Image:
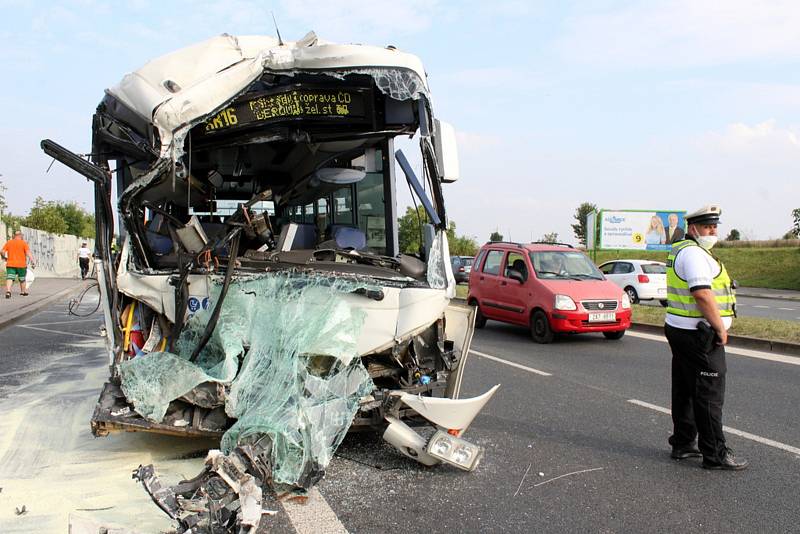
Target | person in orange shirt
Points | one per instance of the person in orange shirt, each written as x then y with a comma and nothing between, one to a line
16,253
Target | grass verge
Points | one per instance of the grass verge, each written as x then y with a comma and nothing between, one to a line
772,329
775,268
462,290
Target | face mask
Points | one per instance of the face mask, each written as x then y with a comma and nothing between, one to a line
706,241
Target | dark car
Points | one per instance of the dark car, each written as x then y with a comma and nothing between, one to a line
462,265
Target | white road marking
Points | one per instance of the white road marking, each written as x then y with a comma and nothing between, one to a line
786,309
96,319
58,332
741,433
781,358
512,364
762,307
313,517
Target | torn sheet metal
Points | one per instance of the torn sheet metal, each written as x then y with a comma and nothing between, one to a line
184,86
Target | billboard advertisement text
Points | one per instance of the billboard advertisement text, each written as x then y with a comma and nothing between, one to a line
641,230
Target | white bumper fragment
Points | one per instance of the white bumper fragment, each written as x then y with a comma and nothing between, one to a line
450,415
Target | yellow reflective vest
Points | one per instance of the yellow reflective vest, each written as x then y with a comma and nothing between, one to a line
680,300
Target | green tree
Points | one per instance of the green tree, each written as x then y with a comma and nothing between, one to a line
409,235
45,215
552,237
733,235
60,218
409,229
579,228
460,245
496,236
796,225
79,222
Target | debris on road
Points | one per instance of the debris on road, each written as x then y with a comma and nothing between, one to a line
568,474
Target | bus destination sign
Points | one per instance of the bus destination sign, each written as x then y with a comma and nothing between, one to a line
303,103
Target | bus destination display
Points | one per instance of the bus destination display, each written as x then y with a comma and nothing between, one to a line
304,103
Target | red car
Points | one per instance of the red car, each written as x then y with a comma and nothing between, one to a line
550,288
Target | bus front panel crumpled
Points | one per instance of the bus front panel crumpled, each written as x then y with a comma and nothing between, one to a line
285,344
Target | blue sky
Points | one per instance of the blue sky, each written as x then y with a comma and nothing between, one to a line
627,104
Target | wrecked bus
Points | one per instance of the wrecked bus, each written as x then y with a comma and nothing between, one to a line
259,295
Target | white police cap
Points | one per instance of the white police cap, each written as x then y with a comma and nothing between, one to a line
708,214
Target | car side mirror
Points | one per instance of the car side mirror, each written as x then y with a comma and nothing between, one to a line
516,275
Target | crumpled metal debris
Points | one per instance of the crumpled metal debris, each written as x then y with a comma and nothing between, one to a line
226,496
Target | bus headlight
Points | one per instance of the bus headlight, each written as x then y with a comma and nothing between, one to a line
454,451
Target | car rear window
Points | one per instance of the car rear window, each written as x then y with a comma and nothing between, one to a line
654,268
467,261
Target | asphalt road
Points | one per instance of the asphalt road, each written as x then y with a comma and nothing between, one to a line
568,452
787,310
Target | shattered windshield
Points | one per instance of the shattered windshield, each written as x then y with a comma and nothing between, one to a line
300,378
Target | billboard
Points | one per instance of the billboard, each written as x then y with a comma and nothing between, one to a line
641,229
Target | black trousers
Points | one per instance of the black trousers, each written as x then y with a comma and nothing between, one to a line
84,262
698,391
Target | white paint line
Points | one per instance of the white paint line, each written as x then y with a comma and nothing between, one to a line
786,309
512,364
651,406
97,320
740,433
769,356
761,307
58,332
313,517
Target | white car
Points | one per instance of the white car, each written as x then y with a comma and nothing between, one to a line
641,279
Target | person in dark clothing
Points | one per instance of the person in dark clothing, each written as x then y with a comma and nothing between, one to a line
84,255
701,306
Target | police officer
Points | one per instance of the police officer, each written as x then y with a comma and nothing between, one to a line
701,306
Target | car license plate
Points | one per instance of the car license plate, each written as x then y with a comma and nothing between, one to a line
602,317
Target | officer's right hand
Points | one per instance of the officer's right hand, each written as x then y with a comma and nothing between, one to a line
723,337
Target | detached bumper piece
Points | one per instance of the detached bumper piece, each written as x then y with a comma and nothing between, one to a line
452,417
224,497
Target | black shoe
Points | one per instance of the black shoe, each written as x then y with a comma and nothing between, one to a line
687,451
8,294
728,463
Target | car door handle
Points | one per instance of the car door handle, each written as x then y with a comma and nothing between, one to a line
481,278
503,283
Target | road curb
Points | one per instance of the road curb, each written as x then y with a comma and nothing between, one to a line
31,309
744,342
766,296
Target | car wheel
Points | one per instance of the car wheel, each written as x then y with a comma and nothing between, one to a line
663,303
614,335
540,328
632,295
480,319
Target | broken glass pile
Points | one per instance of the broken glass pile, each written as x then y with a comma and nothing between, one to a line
285,348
